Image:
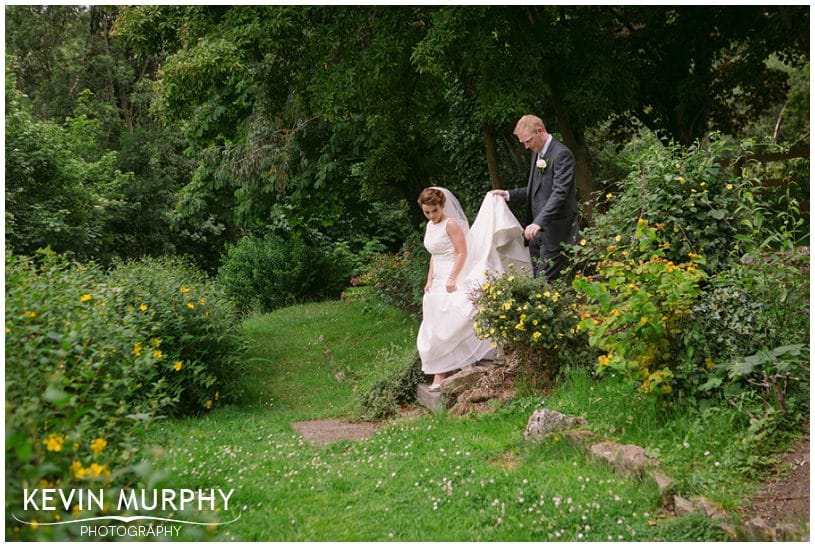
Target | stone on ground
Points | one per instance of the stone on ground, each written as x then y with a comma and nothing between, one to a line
545,421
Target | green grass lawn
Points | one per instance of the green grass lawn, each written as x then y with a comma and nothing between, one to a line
434,477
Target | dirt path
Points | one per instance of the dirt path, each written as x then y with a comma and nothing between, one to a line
329,431
785,499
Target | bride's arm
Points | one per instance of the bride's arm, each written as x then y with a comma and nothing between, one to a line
429,276
460,245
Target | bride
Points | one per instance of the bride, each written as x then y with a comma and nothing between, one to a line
461,258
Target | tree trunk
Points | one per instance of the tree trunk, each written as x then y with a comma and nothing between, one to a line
583,176
491,148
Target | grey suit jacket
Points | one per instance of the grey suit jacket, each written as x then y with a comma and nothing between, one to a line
551,195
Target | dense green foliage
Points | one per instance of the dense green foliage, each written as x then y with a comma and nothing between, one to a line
93,358
280,150
399,278
265,274
384,390
750,334
197,124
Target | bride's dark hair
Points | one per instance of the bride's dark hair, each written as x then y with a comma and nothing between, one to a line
432,196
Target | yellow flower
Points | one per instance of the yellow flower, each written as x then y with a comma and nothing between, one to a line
535,322
155,342
642,222
53,443
190,305
555,297
582,241
208,404
184,290
677,166
96,470
137,349
618,238
729,186
177,365
217,395
85,298
609,195
709,363
98,445
535,336
157,354
79,471
202,301
547,294
643,320
143,307
30,314
681,180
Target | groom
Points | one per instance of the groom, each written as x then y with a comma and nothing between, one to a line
550,195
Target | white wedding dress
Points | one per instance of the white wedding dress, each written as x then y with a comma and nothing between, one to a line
447,340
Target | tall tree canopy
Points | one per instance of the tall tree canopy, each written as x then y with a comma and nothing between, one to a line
323,119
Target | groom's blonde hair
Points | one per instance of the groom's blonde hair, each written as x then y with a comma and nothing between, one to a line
528,124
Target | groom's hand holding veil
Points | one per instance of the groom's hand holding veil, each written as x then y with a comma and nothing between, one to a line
531,231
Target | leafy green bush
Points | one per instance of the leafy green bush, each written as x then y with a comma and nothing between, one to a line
391,384
530,318
92,359
750,329
62,184
689,191
190,323
263,274
635,308
399,278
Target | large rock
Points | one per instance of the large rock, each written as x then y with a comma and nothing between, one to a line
545,421
682,506
627,459
665,484
460,382
431,400
757,529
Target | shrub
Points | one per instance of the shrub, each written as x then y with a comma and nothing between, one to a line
689,191
399,279
635,309
190,323
87,369
264,274
392,384
749,332
528,317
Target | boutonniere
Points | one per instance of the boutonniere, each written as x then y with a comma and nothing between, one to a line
541,165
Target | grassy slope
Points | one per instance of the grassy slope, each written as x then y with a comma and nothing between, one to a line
433,478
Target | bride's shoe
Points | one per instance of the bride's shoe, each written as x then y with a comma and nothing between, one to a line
434,387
